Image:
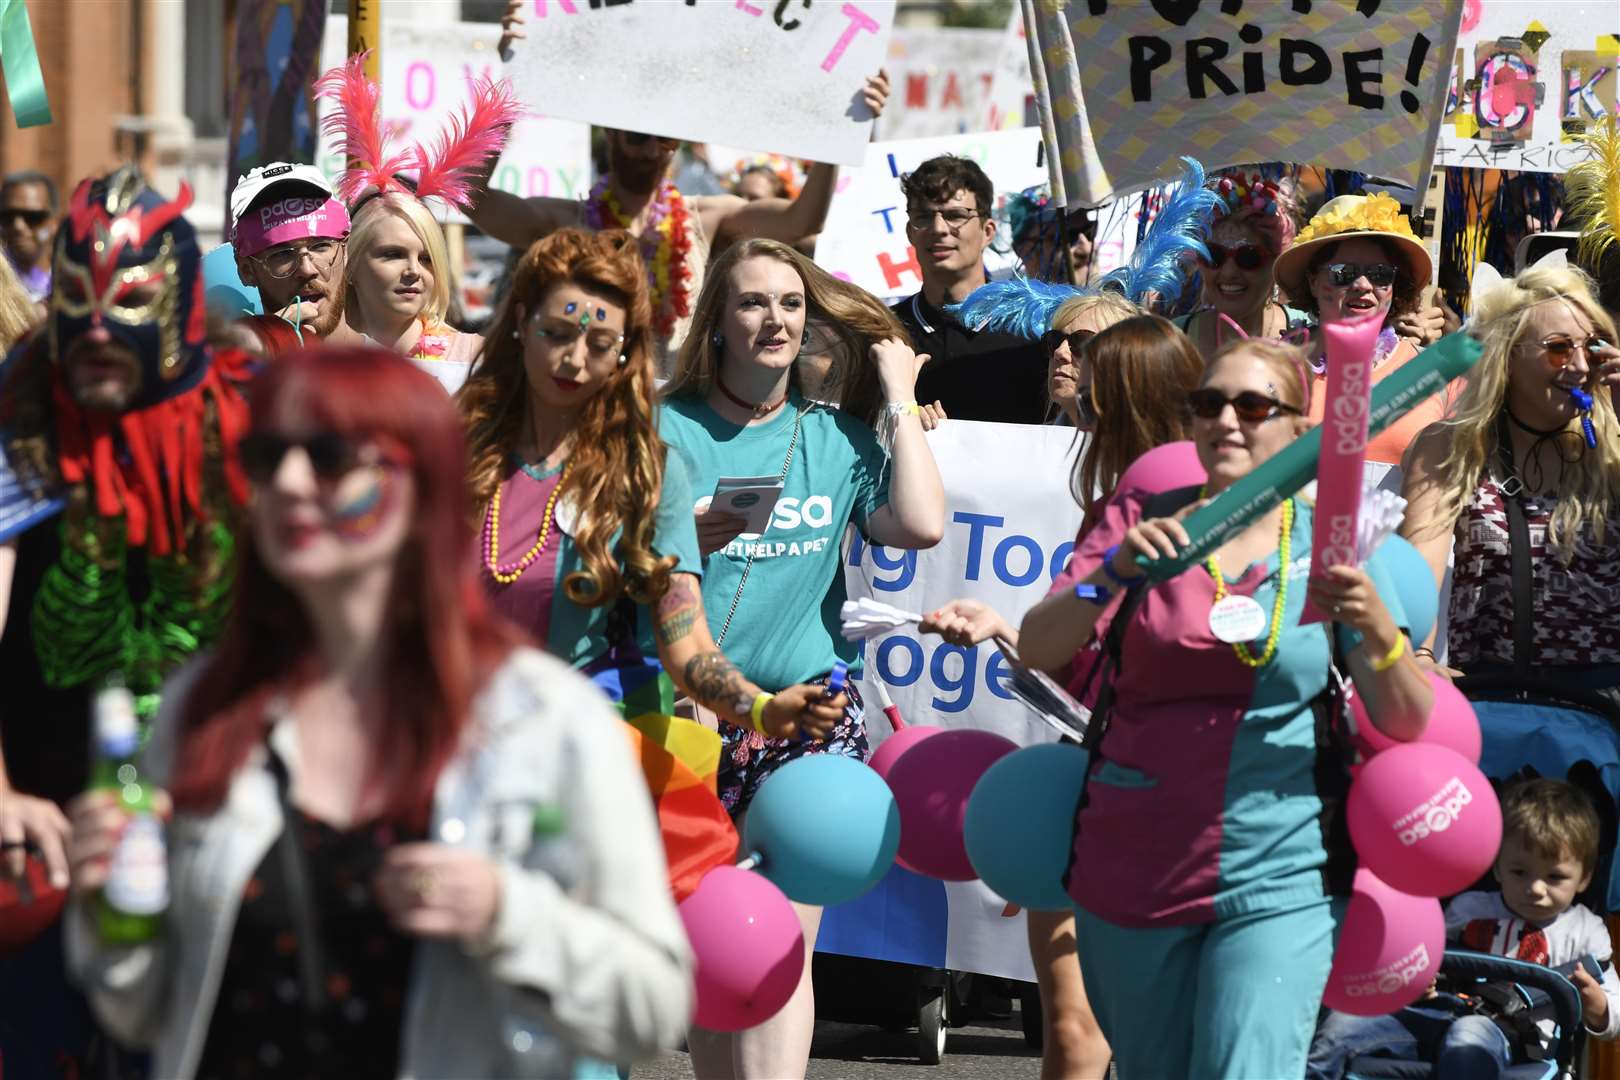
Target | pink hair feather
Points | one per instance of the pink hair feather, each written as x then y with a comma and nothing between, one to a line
356,122
475,136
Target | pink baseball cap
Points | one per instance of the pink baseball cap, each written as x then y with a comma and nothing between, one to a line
306,208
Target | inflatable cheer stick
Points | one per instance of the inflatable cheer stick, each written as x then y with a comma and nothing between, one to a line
1273,481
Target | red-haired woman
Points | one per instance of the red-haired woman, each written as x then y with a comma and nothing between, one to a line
586,519
399,844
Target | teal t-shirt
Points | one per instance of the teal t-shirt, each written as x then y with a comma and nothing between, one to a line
780,635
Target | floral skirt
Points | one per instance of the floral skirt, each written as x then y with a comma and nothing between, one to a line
748,758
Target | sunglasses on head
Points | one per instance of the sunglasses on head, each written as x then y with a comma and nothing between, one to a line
1247,256
636,138
1251,406
330,454
1077,341
1560,347
1382,275
32,218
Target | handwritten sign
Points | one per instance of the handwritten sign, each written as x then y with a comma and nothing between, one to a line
1529,77
425,69
1129,85
865,239
942,79
785,77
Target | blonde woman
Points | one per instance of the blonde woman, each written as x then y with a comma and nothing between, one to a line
397,286
734,408
18,313
1514,457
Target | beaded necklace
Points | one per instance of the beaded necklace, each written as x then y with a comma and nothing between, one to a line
1278,606
505,575
1387,340
665,242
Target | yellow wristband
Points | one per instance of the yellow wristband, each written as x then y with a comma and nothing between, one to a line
756,712
1395,653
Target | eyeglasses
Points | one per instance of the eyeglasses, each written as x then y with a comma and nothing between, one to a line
1382,275
1247,256
284,260
636,138
955,217
1251,407
32,218
1560,347
1052,339
598,343
330,454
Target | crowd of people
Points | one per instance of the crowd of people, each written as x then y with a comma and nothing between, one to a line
363,573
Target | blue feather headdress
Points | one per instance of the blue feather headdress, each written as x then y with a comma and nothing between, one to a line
1024,307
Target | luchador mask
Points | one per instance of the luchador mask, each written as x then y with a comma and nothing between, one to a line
121,235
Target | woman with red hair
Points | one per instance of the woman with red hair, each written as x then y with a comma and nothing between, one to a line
400,845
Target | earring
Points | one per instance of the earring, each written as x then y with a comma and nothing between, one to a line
804,340
623,359
718,339
515,335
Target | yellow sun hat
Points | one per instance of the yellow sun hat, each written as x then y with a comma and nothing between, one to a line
1345,218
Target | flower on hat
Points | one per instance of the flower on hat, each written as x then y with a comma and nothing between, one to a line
1375,213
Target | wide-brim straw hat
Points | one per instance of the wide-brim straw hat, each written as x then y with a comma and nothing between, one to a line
1346,218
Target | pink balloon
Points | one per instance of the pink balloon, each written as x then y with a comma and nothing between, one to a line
1390,945
1452,723
931,782
1164,468
748,946
1424,819
890,749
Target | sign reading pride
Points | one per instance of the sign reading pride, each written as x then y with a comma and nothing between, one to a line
1131,84
783,77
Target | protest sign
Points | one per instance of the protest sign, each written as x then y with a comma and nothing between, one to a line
425,69
1129,86
1528,78
1012,88
784,77
865,241
1010,527
942,78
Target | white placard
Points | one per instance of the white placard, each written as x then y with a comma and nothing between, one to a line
1528,77
785,77
425,69
941,80
865,241
1013,87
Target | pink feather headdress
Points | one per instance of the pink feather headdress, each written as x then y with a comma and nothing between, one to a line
475,135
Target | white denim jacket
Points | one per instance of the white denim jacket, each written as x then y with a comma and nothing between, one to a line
587,957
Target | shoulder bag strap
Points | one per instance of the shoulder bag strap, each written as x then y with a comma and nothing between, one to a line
1524,637
736,598
295,870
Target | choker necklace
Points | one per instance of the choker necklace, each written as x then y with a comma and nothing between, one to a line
1543,433
760,411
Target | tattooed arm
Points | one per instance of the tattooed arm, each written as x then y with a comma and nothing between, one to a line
703,673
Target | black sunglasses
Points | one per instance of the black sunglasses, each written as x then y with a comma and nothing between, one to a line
330,454
1251,407
1382,275
31,218
1247,256
1077,341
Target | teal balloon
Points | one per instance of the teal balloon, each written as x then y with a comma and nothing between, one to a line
1019,827
827,827
1419,594
223,290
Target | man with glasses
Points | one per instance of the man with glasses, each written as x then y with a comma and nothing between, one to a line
971,375
288,232
28,227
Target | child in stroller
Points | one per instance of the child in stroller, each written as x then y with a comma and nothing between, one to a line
1550,843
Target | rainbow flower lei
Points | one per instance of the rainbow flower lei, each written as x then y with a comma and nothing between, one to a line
665,243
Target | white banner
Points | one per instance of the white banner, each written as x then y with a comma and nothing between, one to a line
865,241
942,79
425,69
1010,527
784,77
1527,78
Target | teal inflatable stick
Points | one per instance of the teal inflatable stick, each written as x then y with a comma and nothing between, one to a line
25,83
1212,524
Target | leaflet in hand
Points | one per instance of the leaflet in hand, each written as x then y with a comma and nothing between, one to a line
751,497
1045,697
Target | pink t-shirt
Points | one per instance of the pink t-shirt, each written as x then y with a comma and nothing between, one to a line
526,601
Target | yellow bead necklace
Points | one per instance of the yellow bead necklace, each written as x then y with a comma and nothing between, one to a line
505,575
1278,606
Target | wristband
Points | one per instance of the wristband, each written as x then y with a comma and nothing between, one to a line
903,408
1395,653
1113,575
1093,594
756,712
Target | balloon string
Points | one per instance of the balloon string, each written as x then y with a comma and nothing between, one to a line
753,861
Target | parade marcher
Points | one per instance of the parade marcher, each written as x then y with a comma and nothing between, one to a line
397,275
19,312
119,491
371,767
733,409
588,536
1201,869
28,209
1074,323
676,232
288,234
971,373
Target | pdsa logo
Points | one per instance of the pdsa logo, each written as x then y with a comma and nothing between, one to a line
1435,814
1391,977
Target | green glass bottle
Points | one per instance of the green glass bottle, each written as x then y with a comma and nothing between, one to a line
130,909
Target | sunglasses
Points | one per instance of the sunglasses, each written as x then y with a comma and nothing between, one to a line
32,218
1247,256
1052,339
1560,347
330,454
1250,406
1382,275
636,138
